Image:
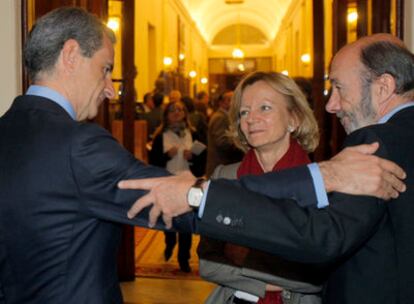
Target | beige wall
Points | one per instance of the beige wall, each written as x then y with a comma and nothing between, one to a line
294,39
162,16
409,24
10,54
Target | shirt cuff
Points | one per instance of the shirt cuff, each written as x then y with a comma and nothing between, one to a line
318,185
203,201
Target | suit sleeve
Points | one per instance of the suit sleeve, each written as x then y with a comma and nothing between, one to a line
295,184
98,164
282,227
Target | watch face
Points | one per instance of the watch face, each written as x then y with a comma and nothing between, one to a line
194,197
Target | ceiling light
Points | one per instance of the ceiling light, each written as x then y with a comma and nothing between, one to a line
352,17
237,53
167,61
192,74
113,23
305,58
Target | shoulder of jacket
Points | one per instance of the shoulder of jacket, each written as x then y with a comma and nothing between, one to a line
226,171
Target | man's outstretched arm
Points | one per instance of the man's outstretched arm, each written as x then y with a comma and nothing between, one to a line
354,171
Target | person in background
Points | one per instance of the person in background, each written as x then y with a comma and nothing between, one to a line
154,117
202,104
271,120
171,149
221,149
174,96
148,102
144,107
197,119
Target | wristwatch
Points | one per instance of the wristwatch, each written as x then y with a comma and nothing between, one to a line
195,193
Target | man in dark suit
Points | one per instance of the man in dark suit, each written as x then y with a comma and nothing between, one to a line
60,209
368,243
220,147
154,117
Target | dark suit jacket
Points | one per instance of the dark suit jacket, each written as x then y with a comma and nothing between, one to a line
220,147
60,209
153,119
369,242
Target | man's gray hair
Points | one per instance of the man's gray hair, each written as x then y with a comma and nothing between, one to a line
51,31
385,57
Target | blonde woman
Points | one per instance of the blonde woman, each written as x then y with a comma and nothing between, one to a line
272,121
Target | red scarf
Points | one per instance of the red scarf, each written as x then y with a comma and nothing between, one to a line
295,156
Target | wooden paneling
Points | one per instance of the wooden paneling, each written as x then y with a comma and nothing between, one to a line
381,16
318,82
400,19
140,139
334,131
362,26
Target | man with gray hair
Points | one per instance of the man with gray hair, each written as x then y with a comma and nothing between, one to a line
60,209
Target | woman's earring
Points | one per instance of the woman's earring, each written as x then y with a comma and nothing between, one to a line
290,129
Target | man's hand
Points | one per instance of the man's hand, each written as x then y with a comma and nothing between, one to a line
356,171
168,195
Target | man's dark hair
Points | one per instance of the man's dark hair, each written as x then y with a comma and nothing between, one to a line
158,99
200,95
51,31
385,57
147,96
189,103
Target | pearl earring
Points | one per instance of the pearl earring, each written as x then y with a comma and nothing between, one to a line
290,129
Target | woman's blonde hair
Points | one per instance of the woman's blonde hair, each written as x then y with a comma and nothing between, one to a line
306,132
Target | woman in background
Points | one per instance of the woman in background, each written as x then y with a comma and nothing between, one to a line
272,121
171,149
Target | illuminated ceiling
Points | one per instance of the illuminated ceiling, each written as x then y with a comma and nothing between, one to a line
213,16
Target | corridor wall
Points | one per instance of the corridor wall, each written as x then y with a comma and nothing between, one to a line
10,53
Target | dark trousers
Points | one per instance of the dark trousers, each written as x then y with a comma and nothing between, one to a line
184,244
